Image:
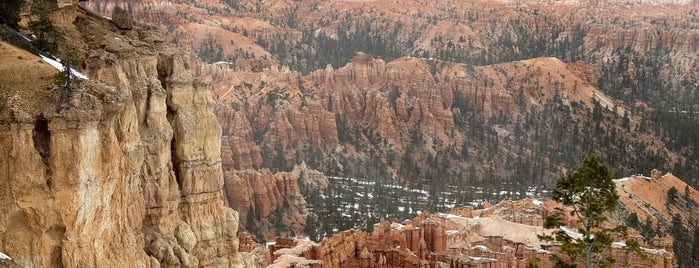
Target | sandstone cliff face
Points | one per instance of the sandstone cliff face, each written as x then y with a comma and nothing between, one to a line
239,150
126,173
264,193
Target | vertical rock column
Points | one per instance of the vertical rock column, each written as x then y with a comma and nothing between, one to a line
197,161
27,223
87,182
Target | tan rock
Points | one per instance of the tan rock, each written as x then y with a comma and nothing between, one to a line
122,19
126,173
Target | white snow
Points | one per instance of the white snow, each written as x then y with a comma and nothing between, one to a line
622,179
451,216
57,64
396,226
537,202
480,259
452,232
482,248
619,244
4,256
543,251
223,62
571,232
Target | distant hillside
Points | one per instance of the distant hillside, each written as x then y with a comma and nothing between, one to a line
440,95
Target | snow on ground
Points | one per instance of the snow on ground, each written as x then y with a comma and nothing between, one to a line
396,226
482,248
640,176
481,259
619,244
538,203
573,233
57,64
4,256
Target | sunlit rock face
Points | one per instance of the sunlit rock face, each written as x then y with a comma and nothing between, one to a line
125,170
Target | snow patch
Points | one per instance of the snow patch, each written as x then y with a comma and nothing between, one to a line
4,256
482,248
538,203
57,64
397,226
480,259
573,233
619,244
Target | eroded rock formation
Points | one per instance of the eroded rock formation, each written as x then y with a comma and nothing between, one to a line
126,172
491,237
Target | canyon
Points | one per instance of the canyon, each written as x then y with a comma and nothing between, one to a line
500,235
271,113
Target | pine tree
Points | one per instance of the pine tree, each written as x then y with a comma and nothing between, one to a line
47,35
591,193
681,244
9,12
312,227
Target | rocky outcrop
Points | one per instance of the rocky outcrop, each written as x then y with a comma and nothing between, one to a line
265,192
491,237
389,245
122,19
238,148
126,172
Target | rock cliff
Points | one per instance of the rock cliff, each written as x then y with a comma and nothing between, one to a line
493,92
265,193
125,172
446,240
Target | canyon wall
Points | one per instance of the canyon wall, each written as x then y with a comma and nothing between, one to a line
124,172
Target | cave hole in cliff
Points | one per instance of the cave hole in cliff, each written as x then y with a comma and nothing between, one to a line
175,164
42,143
42,139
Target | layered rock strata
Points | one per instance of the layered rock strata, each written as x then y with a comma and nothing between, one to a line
264,193
124,173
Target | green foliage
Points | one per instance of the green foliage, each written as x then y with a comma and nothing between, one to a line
684,244
47,34
210,50
9,12
672,195
632,220
647,231
252,224
695,248
312,227
591,193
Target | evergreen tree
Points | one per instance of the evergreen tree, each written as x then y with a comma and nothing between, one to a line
47,35
591,193
672,195
695,248
312,227
681,244
632,220
648,232
9,12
